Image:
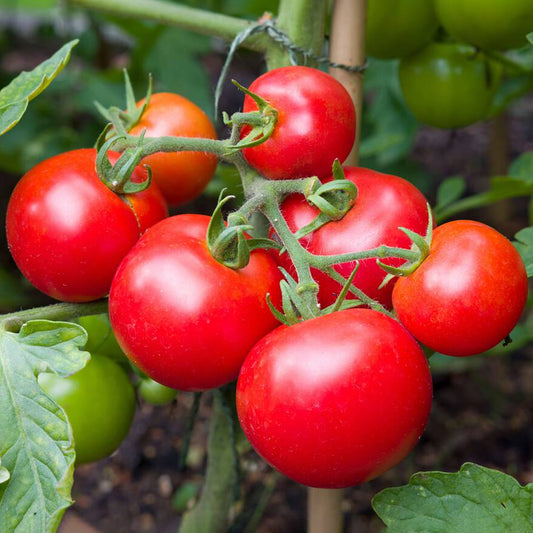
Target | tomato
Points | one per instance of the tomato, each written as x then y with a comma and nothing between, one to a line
153,392
68,232
184,319
449,85
100,336
384,203
315,125
181,176
99,402
337,400
397,28
468,294
494,25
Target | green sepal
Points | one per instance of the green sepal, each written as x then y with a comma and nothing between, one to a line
227,243
341,298
117,177
124,120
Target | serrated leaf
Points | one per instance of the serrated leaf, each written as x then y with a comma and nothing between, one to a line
450,190
36,444
522,167
524,245
14,97
474,500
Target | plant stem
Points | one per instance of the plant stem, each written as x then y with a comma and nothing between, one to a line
171,14
61,311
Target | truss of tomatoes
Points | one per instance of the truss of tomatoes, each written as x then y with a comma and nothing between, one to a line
332,401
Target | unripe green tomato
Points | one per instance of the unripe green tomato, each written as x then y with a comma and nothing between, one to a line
397,28
449,85
101,338
99,402
487,24
155,393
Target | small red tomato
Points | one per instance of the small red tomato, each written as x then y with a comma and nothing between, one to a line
181,176
384,203
337,400
184,319
315,125
68,232
468,294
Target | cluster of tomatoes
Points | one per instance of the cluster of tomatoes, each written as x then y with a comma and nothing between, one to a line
448,78
330,401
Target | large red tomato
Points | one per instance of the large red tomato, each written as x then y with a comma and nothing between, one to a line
315,125
184,319
337,400
68,232
384,203
468,294
181,176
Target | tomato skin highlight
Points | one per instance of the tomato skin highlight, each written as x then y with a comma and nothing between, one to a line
68,232
468,294
384,203
184,319
316,123
336,400
181,176
99,401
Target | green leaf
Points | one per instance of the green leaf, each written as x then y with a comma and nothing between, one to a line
450,190
210,515
474,500
36,444
530,37
14,97
524,245
522,167
4,473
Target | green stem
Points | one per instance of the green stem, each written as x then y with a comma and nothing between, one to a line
304,21
61,311
188,18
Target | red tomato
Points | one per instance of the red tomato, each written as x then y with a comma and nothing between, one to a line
184,319
68,232
337,400
384,203
468,294
316,123
181,176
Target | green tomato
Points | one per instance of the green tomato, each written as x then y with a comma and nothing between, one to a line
155,393
487,24
449,85
99,402
101,338
397,28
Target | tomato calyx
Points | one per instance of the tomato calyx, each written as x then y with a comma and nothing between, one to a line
260,123
117,177
228,242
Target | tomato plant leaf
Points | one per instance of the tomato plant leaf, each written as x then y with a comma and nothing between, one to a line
524,245
522,167
449,191
4,473
474,500
15,96
36,446
210,515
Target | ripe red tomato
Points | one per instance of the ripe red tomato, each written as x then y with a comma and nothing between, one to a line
494,25
184,319
99,401
449,85
316,123
336,400
181,176
383,204
398,28
468,294
68,232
